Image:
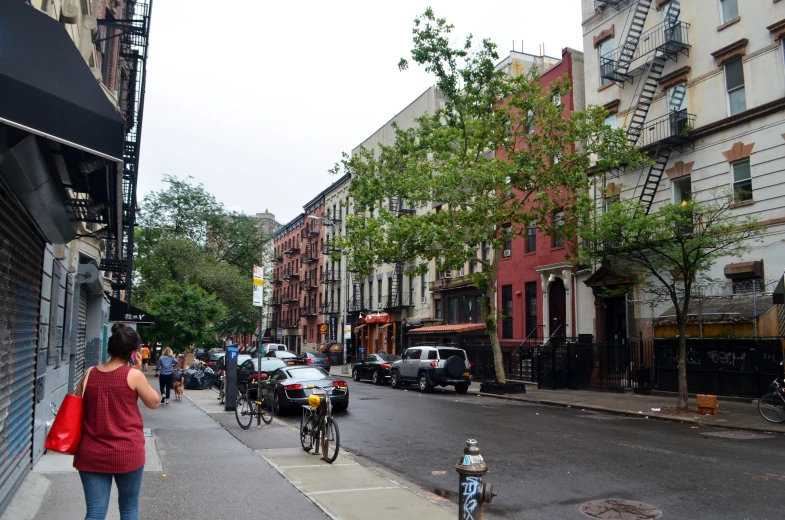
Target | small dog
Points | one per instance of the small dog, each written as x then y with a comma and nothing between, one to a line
178,389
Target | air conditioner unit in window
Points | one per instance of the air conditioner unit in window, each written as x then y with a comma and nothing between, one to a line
447,274
507,253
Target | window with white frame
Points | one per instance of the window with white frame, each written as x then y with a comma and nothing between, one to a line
742,180
682,190
607,63
507,230
530,121
558,221
734,82
729,9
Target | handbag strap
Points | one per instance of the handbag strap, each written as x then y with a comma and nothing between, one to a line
83,382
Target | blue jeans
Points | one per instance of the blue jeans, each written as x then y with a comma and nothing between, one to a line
98,486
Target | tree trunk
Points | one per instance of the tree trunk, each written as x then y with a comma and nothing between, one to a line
683,393
491,320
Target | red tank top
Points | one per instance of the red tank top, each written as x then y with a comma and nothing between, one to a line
113,435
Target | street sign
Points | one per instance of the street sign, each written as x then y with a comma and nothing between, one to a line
258,286
279,334
347,331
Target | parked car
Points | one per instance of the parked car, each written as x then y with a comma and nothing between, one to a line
220,364
375,367
289,357
249,370
290,392
212,357
433,365
269,347
317,359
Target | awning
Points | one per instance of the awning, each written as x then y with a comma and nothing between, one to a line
47,87
379,317
121,311
457,328
358,328
385,326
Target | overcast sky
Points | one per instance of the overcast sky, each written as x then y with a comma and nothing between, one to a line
257,100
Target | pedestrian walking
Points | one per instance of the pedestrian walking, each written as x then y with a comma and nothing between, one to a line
145,358
112,444
165,366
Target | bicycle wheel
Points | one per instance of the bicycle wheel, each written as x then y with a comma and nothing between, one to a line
243,412
306,431
221,393
266,409
331,440
772,408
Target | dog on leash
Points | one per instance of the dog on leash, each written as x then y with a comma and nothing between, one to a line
178,389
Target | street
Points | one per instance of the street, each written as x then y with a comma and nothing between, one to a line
545,461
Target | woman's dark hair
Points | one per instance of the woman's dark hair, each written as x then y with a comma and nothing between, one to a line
123,342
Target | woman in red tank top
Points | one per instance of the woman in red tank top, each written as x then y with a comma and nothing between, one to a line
113,438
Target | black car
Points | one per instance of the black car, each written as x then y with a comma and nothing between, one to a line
248,370
375,367
290,388
290,358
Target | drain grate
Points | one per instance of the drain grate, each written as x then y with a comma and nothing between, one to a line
738,435
369,398
618,509
148,432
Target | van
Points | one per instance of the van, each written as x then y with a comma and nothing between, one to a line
269,347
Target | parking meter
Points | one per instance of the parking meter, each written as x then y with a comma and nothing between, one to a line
230,382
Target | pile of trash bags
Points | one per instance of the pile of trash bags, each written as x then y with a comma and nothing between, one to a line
198,377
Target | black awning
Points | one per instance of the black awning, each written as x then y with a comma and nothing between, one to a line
121,311
48,89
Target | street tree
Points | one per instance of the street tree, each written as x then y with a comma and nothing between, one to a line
668,252
499,155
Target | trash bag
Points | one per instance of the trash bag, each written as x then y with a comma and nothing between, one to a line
207,378
199,377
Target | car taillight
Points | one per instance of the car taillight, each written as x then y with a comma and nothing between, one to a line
255,376
471,364
296,386
434,363
340,384
309,360
385,365
327,362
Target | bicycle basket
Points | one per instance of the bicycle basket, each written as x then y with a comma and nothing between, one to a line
252,392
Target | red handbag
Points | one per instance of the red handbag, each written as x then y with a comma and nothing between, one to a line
66,433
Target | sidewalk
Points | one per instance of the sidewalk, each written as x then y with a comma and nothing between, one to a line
733,414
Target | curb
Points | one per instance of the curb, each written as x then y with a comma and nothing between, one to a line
629,413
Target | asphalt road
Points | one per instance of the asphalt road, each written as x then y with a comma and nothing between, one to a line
545,462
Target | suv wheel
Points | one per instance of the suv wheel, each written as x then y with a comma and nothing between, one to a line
377,378
355,375
425,386
461,388
394,381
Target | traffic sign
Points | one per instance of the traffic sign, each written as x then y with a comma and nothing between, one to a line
258,286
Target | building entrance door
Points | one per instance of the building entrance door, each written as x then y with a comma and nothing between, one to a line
557,308
615,320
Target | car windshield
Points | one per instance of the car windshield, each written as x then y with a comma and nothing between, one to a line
445,353
308,373
285,354
389,357
268,364
215,356
316,355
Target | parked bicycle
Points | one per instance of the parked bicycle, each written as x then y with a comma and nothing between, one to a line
221,387
251,404
317,426
771,405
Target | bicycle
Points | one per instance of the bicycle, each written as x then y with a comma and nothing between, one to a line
771,405
317,426
248,406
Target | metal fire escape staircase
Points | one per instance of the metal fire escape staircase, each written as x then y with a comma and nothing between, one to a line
665,42
133,31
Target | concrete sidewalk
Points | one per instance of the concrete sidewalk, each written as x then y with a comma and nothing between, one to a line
738,414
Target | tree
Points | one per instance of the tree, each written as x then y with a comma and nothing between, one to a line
477,157
668,252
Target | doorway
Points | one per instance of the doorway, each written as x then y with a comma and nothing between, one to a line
615,320
557,308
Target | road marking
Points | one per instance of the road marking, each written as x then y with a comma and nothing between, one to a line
442,472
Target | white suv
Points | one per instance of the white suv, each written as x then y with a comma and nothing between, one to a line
432,365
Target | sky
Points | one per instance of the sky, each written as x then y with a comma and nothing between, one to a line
258,100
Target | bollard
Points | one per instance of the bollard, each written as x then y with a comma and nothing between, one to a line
472,493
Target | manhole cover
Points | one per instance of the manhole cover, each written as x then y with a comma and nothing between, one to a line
369,398
617,509
742,436
148,432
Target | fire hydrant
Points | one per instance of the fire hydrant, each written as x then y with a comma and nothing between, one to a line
472,493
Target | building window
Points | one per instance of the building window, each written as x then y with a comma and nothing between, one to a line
530,294
530,121
438,305
734,82
682,190
507,231
423,288
610,202
370,294
390,294
742,181
729,10
486,255
556,98
607,63
379,294
530,243
507,311
411,290
558,221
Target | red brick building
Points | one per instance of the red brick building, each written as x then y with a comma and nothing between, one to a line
285,302
536,285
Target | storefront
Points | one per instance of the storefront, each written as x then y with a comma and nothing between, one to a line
377,333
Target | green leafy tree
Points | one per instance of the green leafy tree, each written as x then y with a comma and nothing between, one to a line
478,157
668,252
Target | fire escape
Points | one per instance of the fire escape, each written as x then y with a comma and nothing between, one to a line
664,42
134,31
395,299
